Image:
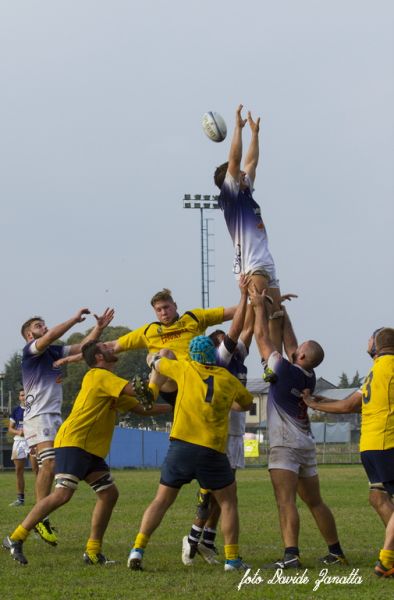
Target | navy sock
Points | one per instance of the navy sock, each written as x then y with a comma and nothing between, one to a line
335,548
292,550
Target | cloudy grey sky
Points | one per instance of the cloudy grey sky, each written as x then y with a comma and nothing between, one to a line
100,112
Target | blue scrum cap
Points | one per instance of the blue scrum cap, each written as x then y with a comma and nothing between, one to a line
202,350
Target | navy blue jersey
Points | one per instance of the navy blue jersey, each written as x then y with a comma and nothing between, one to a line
287,413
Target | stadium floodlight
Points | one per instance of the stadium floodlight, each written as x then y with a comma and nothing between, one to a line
203,202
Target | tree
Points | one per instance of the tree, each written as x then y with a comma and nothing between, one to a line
343,381
12,379
357,380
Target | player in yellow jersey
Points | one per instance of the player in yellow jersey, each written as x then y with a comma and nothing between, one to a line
375,400
198,437
81,445
171,331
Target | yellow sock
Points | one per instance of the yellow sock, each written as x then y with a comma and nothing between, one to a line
20,534
141,541
154,388
204,491
93,546
231,551
386,557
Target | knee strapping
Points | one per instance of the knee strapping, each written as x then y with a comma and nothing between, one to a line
377,487
102,483
46,454
64,480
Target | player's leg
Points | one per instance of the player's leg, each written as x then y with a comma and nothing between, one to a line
275,313
309,492
206,548
158,382
284,482
151,520
381,502
227,500
106,497
385,565
213,471
190,542
33,462
177,469
62,494
20,481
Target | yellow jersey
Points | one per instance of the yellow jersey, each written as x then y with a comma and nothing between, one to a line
177,336
204,399
90,425
377,425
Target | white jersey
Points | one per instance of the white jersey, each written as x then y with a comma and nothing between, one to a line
42,381
243,218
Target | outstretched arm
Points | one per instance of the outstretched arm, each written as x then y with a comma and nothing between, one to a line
252,156
235,156
261,330
351,404
239,316
102,322
290,342
56,332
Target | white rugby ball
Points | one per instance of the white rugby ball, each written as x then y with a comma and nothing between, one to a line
214,126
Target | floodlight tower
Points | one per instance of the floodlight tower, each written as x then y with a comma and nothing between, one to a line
203,203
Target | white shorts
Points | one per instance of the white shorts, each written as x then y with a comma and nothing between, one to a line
20,449
235,451
41,428
302,462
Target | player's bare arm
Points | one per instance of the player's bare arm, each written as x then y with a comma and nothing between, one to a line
290,343
57,331
239,316
102,322
252,156
235,155
261,329
351,404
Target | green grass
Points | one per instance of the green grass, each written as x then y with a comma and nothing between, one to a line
59,574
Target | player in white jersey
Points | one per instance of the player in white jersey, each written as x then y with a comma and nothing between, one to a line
42,384
243,218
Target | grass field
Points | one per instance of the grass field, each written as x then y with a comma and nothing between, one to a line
59,573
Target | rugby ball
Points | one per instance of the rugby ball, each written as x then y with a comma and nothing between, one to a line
214,126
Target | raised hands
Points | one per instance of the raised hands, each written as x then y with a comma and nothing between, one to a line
105,319
239,121
243,283
254,125
81,315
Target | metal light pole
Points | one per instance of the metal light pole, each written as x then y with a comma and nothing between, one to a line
202,203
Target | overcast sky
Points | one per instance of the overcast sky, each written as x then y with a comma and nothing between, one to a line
101,137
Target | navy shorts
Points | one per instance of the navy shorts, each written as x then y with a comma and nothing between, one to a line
70,460
185,462
379,466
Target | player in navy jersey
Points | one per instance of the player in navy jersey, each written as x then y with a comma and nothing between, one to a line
20,449
42,384
243,218
292,461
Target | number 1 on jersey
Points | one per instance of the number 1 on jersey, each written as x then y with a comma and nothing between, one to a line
209,394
